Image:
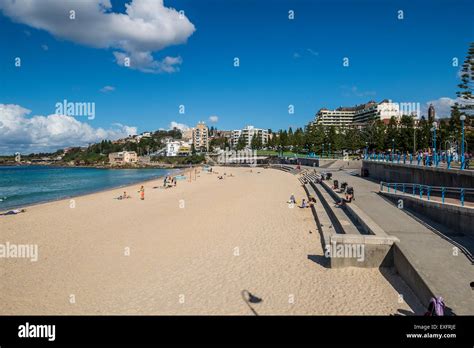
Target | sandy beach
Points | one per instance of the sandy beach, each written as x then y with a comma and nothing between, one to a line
191,249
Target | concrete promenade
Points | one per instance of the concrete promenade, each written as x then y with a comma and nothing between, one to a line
445,274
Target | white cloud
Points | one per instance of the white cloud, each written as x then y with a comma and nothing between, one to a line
107,89
45,47
21,133
213,119
145,62
146,26
296,55
442,106
180,126
313,53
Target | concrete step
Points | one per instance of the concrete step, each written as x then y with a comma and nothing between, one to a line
341,222
324,223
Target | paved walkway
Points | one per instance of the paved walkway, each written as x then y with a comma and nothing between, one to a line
447,275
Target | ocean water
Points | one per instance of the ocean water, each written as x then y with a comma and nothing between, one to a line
26,185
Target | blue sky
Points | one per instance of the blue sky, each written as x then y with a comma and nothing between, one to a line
282,62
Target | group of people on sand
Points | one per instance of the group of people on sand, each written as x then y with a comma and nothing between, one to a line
221,177
170,181
311,201
141,192
124,196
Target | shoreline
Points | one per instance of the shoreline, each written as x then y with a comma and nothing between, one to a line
65,165
31,205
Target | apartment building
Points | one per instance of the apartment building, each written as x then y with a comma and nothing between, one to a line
248,133
358,115
201,137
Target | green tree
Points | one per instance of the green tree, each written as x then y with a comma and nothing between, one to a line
283,140
405,140
423,134
353,139
241,144
465,97
392,136
256,142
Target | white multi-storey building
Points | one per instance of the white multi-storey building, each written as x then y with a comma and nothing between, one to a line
338,117
358,115
248,133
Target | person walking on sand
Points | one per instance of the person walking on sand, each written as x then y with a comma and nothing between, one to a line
142,193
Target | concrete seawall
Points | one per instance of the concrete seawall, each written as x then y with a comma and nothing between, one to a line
457,218
406,173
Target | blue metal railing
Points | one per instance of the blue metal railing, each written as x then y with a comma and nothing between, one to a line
455,192
433,160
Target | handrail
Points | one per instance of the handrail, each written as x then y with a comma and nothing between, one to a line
411,188
418,159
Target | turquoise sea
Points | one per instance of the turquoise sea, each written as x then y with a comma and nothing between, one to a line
26,185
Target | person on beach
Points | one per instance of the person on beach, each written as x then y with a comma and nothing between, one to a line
165,181
124,196
436,307
14,212
341,203
303,204
142,193
292,199
175,181
348,199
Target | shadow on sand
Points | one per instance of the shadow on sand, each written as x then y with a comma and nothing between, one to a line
249,299
320,260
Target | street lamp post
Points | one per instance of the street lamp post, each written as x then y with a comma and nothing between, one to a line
322,152
393,148
366,149
414,140
329,151
462,118
434,142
